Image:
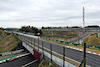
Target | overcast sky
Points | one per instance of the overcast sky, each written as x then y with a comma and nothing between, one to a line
38,13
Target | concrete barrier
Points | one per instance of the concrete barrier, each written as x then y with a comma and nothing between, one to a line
12,52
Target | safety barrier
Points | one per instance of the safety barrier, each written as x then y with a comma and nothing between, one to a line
11,52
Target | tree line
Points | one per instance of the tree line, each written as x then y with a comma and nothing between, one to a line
30,29
90,26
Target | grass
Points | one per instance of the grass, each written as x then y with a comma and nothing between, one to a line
46,63
8,43
63,34
93,40
1,33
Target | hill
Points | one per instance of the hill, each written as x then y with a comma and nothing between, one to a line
8,43
92,40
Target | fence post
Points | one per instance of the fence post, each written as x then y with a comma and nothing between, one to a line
34,43
84,55
23,38
31,41
43,49
38,43
20,45
63,56
51,51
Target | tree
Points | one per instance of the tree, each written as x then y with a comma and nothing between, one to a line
30,29
75,27
42,27
92,26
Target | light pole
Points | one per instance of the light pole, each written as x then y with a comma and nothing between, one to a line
84,51
84,56
83,21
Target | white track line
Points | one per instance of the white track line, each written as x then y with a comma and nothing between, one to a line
29,63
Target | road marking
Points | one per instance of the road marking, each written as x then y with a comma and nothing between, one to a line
29,63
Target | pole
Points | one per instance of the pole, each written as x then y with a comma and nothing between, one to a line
34,43
78,38
31,41
23,37
83,21
51,51
63,56
52,33
84,54
38,43
84,42
43,49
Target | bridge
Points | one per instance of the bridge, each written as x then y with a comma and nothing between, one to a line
58,54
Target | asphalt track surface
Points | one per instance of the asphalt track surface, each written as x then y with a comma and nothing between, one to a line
21,61
91,60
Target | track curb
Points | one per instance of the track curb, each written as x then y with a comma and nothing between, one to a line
82,50
12,58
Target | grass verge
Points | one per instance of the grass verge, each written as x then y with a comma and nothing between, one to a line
46,63
8,43
93,40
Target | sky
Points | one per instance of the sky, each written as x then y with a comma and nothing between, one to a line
38,13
